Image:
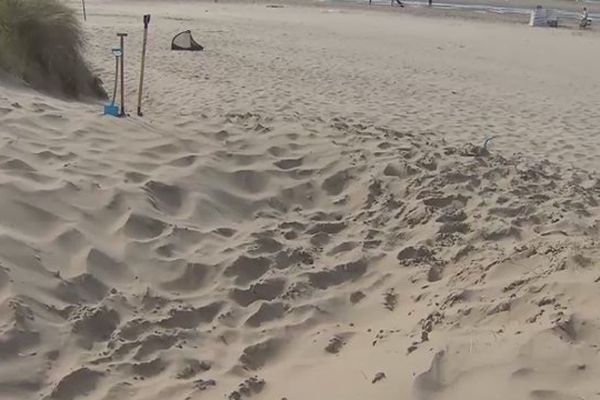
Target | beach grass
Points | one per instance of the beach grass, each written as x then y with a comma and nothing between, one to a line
42,43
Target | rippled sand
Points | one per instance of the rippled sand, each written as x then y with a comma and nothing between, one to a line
306,211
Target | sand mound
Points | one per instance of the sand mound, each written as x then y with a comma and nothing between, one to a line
152,282
41,42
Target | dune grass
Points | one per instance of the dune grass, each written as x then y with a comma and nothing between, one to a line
42,42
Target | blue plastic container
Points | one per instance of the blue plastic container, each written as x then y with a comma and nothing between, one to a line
111,109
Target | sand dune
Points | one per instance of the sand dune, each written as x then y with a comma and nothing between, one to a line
306,211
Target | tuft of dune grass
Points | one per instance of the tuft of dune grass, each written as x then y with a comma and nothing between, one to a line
42,43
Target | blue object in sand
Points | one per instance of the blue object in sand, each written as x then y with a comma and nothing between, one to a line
111,109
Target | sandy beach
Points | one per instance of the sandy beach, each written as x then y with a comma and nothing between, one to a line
307,211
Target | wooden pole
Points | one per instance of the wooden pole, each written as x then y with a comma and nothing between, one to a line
146,22
84,13
122,36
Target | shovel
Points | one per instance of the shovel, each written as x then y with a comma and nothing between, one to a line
112,108
139,105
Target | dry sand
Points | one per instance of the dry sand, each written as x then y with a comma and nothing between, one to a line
300,214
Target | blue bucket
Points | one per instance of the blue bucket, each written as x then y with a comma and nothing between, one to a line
111,109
